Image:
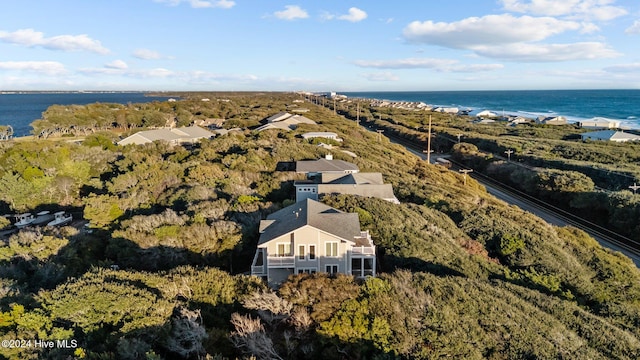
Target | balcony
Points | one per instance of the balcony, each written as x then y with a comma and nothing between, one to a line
363,251
281,261
258,270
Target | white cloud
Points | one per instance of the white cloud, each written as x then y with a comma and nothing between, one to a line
32,38
354,15
441,65
474,68
201,4
511,38
634,29
411,63
117,64
146,54
41,67
548,52
381,76
601,10
624,68
487,30
291,12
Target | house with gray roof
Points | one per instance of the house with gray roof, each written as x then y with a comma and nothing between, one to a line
310,237
361,184
326,165
609,135
321,134
174,136
284,121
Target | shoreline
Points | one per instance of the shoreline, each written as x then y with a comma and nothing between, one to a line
478,101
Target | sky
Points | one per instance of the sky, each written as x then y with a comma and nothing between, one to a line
258,45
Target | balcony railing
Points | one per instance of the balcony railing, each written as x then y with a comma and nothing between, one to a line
363,250
258,270
281,261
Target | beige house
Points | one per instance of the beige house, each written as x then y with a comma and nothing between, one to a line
310,237
174,136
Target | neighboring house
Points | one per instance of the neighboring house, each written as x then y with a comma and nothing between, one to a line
609,135
181,135
326,165
600,123
279,117
551,120
310,237
284,121
325,135
362,184
486,114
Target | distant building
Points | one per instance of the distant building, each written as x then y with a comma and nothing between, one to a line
284,121
310,237
609,135
551,120
181,135
325,135
600,123
486,114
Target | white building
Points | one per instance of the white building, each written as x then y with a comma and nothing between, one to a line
600,123
609,135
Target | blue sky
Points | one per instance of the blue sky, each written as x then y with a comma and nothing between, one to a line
221,45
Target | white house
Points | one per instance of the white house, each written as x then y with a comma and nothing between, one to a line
551,120
600,123
310,237
321,134
609,135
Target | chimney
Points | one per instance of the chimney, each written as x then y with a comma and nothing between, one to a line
328,157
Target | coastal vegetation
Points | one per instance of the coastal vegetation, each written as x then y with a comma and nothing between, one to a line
550,162
158,273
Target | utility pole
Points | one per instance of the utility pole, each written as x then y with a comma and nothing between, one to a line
634,187
358,114
334,106
459,136
429,142
379,134
464,174
509,152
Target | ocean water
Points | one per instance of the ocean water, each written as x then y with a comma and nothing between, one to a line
575,105
21,109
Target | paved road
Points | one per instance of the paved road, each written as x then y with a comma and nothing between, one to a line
542,213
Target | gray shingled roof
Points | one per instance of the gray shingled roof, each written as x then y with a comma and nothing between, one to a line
324,165
356,178
279,116
177,134
312,213
384,191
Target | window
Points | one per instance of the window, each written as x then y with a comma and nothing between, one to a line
331,249
284,249
356,267
368,267
312,252
301,252
307,271
332,269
